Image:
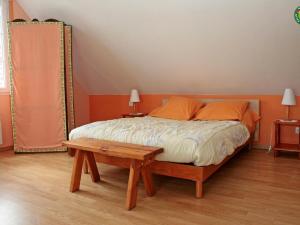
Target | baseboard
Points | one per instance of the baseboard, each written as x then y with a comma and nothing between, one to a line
260,146
6,148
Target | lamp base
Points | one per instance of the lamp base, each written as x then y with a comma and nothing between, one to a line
136,113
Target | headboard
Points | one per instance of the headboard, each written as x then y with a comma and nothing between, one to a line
254,105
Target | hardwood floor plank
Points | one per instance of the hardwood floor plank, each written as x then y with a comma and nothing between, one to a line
252,188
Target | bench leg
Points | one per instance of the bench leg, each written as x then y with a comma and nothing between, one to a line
91,163
133,180
148,182
77,170
199,189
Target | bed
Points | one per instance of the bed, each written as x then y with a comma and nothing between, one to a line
193,150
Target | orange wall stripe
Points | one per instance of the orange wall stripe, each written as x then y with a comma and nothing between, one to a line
103,107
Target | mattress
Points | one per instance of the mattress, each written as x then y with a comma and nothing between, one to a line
199,142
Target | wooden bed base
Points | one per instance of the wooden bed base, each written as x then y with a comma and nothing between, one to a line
199,174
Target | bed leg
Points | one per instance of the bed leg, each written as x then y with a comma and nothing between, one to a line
251,142
199,189
71,152
85,166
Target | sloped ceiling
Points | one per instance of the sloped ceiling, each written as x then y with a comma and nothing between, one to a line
180,46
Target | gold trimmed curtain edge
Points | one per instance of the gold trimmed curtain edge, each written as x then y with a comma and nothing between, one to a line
71,85
41,150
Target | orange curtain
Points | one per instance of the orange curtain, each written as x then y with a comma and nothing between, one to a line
38,86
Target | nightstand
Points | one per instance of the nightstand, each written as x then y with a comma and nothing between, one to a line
131,115
288,147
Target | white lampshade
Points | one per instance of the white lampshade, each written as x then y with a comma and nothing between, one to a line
134,96
288,97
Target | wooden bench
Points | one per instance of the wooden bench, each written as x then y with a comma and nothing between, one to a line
140,159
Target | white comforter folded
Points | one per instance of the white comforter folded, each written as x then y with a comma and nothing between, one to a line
199,142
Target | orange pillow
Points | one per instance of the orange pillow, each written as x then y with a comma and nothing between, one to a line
227,110
178,108
249,120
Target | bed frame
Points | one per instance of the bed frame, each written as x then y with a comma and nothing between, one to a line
199,174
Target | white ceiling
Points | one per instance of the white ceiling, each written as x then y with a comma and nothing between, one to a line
180,46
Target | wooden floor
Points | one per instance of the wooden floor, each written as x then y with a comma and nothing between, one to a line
252,188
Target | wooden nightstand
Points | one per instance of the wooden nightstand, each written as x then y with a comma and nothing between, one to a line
279,146
131,115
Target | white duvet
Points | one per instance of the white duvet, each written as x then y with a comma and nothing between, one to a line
199,142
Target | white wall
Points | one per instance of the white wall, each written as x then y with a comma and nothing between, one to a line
181,46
